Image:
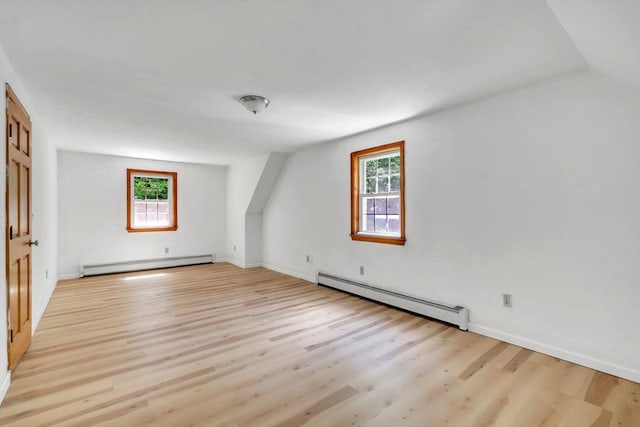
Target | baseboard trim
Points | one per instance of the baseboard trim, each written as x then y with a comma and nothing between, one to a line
69,276
312,279
145,264
4,388
599,365
236,263
72,276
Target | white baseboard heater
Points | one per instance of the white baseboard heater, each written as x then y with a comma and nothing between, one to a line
147,264
454,314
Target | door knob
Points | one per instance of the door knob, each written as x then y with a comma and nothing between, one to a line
33,243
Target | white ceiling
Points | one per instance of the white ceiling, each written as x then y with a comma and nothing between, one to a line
607,33
161,79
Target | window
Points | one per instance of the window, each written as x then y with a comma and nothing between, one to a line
152,198
377,194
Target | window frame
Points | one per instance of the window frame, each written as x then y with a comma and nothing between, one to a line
173,199
356,195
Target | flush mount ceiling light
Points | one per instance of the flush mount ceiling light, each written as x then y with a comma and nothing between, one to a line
254,103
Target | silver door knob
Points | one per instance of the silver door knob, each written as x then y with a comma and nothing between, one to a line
33,243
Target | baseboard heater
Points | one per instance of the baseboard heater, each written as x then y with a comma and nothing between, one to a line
147,264
454,314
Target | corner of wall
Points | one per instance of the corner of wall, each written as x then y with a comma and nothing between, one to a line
312,279
4,385
249,186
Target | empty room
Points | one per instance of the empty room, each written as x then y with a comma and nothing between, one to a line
324,213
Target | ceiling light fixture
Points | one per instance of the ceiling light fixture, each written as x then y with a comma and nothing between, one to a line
254,103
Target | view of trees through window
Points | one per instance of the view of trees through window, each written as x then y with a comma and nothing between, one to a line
151,202
381,201
383,174
148,188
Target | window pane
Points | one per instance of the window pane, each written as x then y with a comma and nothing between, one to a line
371,185
139,188
369,223
152,213
395,183
383,166
150,188
395,164
381,205
140,218
393,205
371,205
381,223
163,213
140,207
163,188
371,167
383,184
394,224
163,207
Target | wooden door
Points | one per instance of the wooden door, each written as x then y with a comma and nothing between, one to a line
18,231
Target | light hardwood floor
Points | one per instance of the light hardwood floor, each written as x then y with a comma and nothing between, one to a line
218,345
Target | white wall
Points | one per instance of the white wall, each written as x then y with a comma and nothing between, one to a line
250,183
242,180
253,239
44,211
533,193
92,212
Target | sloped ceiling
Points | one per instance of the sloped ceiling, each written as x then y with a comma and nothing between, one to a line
607,34
161,79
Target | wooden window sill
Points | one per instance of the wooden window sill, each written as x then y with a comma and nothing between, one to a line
379,239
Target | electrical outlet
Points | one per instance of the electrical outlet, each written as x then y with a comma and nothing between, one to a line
166,250
46,274
362,270
309,259
506,300
234,248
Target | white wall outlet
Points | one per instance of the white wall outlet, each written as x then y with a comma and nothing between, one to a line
362,270
506,300
234,248
166,250
46,274
309,259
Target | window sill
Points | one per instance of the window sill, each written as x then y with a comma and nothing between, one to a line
138,230
379,239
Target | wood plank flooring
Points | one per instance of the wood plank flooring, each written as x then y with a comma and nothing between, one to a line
216,345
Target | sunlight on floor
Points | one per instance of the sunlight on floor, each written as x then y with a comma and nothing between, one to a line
144,276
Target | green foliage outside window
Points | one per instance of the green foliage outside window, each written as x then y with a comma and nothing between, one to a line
383,175
147,188
395,164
